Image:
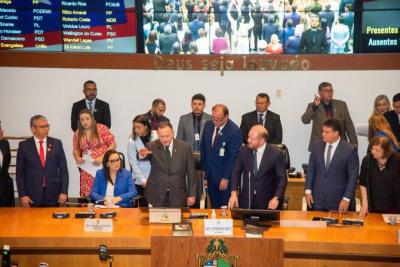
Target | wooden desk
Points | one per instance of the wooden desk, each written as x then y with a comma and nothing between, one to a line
34,236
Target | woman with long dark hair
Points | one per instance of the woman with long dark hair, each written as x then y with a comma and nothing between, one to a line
141,135
93,139
113,184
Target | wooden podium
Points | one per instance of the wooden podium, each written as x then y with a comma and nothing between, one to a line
227,251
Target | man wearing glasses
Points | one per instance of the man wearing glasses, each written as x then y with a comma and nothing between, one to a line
325,107
42,173
99,108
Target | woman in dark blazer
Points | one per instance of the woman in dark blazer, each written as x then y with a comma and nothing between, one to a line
113,184
380,178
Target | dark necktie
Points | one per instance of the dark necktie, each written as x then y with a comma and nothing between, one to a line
216,136
260,118
168,156
314,36
328,157
255,167
196,130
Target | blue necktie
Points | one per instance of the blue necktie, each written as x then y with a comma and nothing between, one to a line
90,106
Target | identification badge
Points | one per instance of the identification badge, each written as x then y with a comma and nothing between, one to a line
222,152
197,137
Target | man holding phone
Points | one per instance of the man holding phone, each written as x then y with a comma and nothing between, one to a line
325,107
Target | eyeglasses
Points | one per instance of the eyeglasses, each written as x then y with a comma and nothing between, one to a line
114,161
43,126
327,91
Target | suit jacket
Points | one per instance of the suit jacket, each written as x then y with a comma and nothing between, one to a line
212,163
123,187
318,117
330,185
167,40
308,46
269,181
30,171
179,178
101,113
6,182
272,123
394,122
185,127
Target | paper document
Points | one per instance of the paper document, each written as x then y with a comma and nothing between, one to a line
88,165
387,216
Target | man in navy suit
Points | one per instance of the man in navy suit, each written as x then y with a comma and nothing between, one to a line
99,108
259,174
332,171
42,173
219,148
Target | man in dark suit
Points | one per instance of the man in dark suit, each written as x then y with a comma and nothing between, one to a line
270,120
99,108
191,125
328,15
259,174
195,25
167,40
393,116
313,40
156,114
6,183
171,182
332,171
219,148
42,173
325,107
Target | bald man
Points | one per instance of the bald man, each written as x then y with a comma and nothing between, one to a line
263,170
219,147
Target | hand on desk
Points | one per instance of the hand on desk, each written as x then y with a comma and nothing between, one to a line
310,200
62,199
26,201
233,201
344,206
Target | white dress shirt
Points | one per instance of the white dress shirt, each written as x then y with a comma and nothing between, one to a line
170,147
44,146
333,149
260,153
110,190
264,115
215,131
93,104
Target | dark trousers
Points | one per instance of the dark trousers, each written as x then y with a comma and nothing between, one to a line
167,201
142,202
44,202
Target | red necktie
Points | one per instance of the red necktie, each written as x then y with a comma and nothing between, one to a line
42,159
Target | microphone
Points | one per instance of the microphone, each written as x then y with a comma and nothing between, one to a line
6,261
